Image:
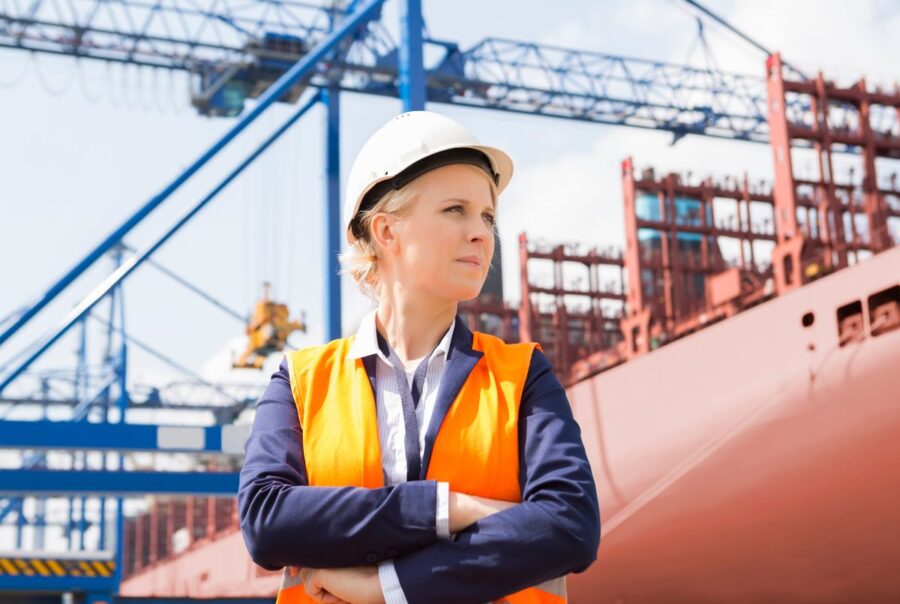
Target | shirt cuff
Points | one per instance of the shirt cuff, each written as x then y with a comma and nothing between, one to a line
443,510
390,584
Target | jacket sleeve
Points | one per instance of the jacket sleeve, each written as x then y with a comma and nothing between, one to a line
554,531
284,521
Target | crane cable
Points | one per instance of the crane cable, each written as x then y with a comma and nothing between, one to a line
741,34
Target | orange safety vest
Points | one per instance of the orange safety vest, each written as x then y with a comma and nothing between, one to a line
336,408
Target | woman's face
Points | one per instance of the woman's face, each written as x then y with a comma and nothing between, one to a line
445,242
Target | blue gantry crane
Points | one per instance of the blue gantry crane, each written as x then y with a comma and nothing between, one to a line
275,51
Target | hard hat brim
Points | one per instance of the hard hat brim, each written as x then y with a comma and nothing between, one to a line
501,164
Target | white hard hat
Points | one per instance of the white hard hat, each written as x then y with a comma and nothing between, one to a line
409,145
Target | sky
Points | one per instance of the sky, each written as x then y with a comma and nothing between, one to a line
84,145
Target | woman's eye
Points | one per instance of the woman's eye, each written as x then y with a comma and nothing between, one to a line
491,219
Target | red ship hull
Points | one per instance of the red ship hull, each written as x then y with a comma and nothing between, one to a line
754,461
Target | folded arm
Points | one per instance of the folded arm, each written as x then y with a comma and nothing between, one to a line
286,522
555,530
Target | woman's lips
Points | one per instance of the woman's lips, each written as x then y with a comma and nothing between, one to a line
470,260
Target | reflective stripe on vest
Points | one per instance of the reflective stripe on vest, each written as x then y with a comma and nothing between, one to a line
336,408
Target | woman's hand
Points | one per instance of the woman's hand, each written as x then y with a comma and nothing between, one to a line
466,510
354,585
315,590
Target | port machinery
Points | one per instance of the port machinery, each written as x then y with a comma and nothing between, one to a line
304,54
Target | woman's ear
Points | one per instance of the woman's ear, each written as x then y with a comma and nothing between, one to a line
383,232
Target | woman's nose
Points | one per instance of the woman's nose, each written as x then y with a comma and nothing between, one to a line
481,230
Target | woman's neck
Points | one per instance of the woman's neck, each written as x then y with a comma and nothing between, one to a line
413,327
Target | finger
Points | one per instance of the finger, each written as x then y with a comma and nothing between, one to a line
326,597
312,589
329,578
318,594
317,588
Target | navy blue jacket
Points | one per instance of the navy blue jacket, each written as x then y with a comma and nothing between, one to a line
555,530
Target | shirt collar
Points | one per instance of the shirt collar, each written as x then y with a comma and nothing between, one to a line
366,341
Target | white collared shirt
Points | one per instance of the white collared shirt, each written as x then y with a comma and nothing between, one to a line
392,429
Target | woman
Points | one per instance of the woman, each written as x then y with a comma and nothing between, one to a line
418,461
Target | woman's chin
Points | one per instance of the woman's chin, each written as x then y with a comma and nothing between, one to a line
454,290
462,292
457,290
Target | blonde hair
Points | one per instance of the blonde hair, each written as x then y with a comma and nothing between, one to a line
360,261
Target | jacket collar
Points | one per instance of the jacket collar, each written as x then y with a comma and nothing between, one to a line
461,360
